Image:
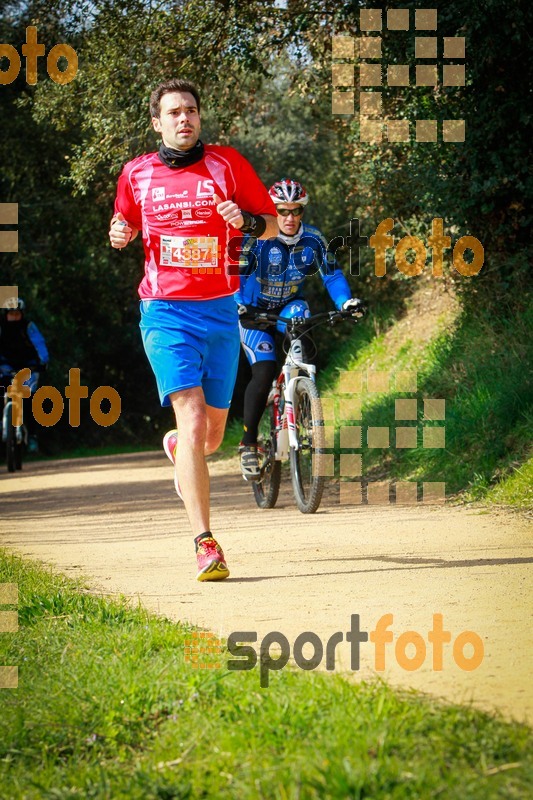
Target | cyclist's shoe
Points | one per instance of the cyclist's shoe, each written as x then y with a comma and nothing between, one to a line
170,442
211,562
249,462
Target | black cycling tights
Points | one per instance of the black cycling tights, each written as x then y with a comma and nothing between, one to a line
255,397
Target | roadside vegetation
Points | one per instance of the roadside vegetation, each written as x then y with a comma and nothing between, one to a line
107,707
264,73
474,359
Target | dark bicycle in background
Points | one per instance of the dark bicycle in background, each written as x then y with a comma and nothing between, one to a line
14,437
292,425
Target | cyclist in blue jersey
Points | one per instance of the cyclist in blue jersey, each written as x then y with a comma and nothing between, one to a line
22,345
273,273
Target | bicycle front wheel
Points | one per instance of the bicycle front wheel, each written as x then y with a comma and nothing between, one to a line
306,460
266,489
13,448
18,455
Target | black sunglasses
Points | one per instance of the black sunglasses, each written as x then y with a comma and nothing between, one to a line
285,212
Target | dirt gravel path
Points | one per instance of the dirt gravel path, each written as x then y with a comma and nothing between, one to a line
117,521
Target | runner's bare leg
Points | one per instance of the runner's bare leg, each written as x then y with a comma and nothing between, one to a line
200,432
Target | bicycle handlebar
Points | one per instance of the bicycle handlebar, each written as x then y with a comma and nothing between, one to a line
293,323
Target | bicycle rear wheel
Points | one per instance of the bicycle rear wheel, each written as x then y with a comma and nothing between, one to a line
307,459
266,489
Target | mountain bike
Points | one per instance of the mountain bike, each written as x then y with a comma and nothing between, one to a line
15,437
292,425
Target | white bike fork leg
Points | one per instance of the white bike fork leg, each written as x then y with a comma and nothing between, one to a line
290,394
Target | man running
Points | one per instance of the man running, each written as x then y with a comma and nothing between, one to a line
272,276
189,200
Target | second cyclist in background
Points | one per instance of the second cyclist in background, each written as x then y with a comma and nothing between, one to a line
273,272
22,345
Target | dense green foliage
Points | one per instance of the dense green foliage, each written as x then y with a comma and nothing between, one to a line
107,707
483,184
264,70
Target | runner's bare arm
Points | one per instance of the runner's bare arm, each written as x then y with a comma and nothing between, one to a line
120,233
232,214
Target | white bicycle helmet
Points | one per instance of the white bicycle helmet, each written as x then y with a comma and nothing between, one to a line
287,191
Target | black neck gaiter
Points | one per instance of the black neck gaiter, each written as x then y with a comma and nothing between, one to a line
175,159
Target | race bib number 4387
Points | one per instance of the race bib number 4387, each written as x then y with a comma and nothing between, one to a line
184,252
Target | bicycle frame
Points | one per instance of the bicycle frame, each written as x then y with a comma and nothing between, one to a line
286,382
286,386
20,430
294,418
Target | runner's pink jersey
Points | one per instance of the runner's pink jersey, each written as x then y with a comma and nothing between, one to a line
185,239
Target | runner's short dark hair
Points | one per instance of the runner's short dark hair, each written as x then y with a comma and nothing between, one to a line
172,85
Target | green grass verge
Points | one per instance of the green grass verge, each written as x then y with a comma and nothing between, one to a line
478,363
515,490
107,708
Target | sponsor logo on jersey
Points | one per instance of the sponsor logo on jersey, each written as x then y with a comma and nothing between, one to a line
275,261
186,213
205,188
307,255
184,204
186,223
203,212
275,255
158,193
265,347
179,194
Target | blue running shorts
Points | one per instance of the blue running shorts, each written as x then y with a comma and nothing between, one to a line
192,343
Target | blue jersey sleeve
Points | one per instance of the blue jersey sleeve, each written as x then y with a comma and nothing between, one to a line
333,276
37,340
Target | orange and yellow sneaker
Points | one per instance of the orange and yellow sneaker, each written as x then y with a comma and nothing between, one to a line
211,562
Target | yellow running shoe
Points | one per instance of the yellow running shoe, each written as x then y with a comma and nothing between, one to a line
211,562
